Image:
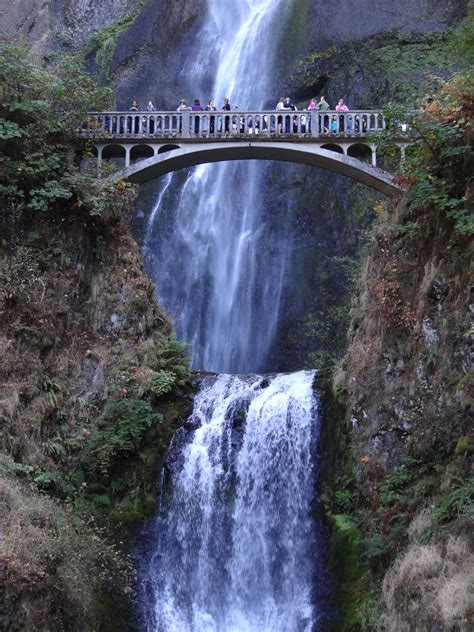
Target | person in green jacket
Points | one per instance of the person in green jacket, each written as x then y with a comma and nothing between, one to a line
322,104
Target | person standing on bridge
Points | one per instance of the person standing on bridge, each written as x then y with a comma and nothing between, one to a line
197,107
134,126
151,121
342,107
288,105
182,107
322,104
211,107
226,108
280,106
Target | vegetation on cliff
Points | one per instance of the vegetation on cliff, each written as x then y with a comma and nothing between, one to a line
93,381
401,497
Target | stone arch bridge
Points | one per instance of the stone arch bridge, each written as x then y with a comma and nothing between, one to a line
151,144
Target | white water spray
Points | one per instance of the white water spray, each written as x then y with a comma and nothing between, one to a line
225,291
234,546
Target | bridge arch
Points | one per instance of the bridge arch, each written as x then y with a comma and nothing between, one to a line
114,152
308,154
333,147
141,152
360,151
164,148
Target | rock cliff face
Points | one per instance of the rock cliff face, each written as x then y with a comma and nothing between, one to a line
148,41
151,53
409,384
410,346
80,340
151,56
51,24
331,24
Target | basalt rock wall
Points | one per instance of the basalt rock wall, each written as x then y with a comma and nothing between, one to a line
53,24
147,43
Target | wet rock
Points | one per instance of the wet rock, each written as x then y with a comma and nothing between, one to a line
436,292
430,335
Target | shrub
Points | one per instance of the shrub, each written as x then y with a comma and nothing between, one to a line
50,560
428,587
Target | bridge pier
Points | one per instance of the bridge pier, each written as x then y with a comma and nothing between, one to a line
100,149
373,149
403,147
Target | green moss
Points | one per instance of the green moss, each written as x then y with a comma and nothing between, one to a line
104,42
296,29
347,575
463,445
465,389
356,592
120,488
400,66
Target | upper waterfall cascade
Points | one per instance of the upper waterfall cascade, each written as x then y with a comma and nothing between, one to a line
225,295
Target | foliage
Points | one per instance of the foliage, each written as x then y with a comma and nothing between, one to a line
440,158
372,524
328,326
458,501
49,556
120,430
462,41
104,42
41,108
92,448
169,356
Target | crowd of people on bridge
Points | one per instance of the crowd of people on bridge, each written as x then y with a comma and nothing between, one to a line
331,123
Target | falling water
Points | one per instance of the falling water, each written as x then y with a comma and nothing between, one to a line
234,546
225,291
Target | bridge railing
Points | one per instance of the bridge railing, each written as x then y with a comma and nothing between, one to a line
234,124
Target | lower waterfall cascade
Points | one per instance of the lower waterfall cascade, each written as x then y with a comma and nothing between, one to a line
234,546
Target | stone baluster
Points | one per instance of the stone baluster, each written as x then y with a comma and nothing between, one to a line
186,124
100,149
350,125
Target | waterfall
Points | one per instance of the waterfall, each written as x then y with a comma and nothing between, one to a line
234,547
224,292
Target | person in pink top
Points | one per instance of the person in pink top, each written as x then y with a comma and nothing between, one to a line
312,105
341,106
